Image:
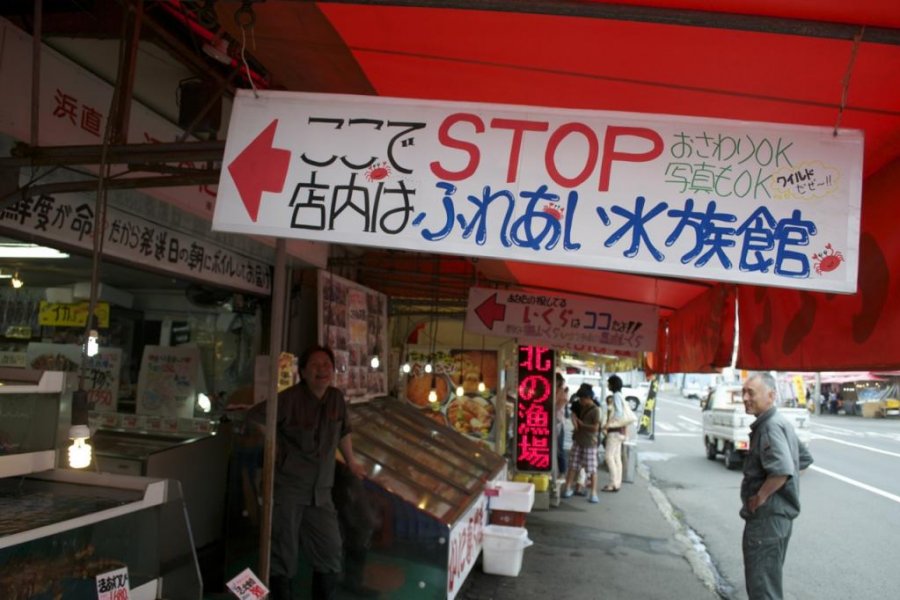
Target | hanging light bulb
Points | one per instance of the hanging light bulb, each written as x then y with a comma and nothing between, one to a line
432,395
460,390
481,386
93,344
375,362
428,367
80,450
16,281
204,402
406,368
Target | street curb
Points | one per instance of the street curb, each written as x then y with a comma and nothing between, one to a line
691,544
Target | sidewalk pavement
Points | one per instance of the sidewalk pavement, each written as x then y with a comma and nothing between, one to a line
630,545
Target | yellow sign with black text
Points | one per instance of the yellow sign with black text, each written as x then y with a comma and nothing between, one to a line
61,314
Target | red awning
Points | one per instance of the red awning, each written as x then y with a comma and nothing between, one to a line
804,331
808,63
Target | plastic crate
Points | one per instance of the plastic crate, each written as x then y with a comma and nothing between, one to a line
503,549
512,495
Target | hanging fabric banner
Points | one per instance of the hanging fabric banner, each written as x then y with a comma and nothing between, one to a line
791,330
652,194
700,337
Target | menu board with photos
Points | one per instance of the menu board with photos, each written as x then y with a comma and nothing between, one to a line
100,372
353,323
473,413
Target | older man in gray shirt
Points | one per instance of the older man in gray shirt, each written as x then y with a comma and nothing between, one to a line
770,491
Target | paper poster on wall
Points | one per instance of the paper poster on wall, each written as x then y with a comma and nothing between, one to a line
101,371
353,323
169,380
474,412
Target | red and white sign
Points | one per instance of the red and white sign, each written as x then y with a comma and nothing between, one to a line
113,585
465,545
687,197
563,322
247,586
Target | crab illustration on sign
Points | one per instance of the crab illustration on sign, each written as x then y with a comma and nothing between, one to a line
827,260
378,171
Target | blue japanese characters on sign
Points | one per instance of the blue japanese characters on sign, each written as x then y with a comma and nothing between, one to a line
644,193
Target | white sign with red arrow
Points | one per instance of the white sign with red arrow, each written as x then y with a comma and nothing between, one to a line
572,323
650,194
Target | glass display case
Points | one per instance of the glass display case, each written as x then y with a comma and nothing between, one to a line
34,416
199,462
59,528
427,483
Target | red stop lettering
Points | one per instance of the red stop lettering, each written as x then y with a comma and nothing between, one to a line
558,136
518,127
610,154
471,149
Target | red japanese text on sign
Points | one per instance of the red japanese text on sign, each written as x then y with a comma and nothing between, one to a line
534,428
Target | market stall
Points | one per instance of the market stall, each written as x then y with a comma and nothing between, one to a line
428,483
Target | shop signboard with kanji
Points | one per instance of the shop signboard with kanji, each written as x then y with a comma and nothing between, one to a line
564,322
534,409
711,199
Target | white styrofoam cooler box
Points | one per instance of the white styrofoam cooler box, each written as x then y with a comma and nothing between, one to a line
503,548
512,495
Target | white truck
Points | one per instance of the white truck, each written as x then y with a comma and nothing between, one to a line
726,425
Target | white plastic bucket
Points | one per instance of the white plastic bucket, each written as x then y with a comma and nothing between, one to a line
503,549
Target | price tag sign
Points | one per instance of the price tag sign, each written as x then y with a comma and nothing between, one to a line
113,585
247,586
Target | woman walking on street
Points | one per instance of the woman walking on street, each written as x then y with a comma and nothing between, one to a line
615,436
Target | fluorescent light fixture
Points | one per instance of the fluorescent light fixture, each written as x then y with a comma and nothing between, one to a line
18,250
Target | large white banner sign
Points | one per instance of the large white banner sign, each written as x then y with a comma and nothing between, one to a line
713,199
563,322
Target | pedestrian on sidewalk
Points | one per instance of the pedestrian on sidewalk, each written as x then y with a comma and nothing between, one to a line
561,400
770,490
584,444
615,436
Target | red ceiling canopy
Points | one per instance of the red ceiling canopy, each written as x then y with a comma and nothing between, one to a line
826,63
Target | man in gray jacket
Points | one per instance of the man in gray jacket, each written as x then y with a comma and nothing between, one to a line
770,491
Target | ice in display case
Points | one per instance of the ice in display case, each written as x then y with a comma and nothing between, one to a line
59,528
427,483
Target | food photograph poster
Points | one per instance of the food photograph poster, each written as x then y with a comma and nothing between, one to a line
353,323
472,414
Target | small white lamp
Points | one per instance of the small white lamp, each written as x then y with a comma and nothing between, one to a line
93,345
203,402
80,450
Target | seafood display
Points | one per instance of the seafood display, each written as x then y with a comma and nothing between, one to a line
472,415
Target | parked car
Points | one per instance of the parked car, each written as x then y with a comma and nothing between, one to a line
695,391
726,425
